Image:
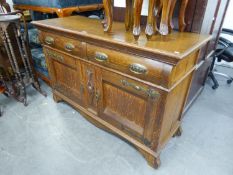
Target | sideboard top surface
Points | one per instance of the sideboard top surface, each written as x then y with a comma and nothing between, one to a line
175,45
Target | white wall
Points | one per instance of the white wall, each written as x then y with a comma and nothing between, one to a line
11,3
228,22
121,3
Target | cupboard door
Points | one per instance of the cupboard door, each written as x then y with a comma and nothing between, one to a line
128,105
66,74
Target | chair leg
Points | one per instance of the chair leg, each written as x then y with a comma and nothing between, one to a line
229,78
137,18
108,17
216,85
129,14
151,19
163,28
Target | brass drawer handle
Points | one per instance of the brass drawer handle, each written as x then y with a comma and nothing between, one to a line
55,56
137,68
150,92
101,57
97,96
49,40
69,47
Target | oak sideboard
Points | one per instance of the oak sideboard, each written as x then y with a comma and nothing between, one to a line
134,89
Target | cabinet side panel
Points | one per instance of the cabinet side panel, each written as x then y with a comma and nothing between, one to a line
173,111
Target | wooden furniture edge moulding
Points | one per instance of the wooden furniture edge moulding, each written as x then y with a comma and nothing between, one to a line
158,10
61,12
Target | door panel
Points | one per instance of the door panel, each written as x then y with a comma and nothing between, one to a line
66,75
127,104
116,101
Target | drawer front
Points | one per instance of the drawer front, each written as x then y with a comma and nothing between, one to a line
61,58
143,68
65,44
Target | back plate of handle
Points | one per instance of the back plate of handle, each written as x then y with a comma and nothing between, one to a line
69,47
49,40
101,57
137,68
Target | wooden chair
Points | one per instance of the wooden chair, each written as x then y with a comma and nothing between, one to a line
156,7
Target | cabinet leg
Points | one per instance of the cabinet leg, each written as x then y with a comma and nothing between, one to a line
56,98
178,132
151,159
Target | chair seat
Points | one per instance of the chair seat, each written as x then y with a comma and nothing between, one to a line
57,3
227,55
229,52
39,61
33,35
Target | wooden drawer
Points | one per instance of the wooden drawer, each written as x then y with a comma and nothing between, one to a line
61,58
140,67
66,44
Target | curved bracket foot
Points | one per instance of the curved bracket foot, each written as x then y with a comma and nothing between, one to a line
178,132
56,98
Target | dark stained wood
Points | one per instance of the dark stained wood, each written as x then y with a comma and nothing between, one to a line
170,22
182,23
136,90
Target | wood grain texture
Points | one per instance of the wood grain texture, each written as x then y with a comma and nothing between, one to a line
171,13
151,20
129,17
61,12
137,18
135,90
170,49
